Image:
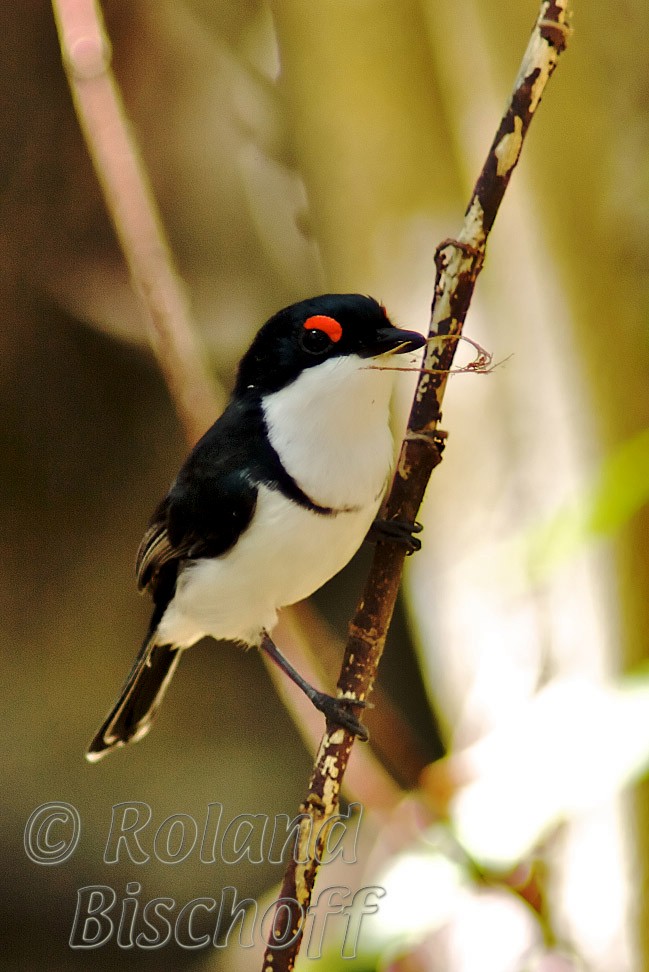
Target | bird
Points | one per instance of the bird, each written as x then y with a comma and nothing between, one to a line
273,501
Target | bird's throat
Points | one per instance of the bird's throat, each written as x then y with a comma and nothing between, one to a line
330,428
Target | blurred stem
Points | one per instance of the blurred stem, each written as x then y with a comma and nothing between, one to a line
458,265
86,54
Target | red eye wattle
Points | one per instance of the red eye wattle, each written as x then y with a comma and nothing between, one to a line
329,325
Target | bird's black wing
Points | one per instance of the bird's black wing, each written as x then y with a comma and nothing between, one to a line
208,507
200,517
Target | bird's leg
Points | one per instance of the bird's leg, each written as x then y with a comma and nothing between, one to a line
397,531
335,710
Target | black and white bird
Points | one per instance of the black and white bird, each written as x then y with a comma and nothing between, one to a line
273,501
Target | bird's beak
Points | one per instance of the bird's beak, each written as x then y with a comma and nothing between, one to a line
393,340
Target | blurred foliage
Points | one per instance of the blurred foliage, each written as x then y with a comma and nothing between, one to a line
618,493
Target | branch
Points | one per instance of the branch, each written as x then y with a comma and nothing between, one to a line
86,52
458,263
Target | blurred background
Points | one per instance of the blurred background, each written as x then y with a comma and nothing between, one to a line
292,149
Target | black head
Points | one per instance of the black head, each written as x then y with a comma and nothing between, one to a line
304,335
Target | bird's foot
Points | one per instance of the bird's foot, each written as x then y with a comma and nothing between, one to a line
339,711
397,531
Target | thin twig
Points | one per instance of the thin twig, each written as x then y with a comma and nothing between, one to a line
482,364
86,54
458,265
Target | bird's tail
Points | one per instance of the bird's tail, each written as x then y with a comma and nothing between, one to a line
132,715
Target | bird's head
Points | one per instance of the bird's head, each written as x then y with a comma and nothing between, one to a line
314,331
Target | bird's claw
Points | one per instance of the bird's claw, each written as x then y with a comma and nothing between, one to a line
397,531
338,711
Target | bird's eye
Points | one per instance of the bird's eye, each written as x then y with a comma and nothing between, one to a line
314,341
